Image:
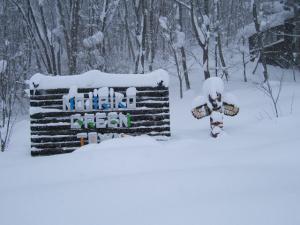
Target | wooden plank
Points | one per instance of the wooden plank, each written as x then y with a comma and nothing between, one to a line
142,94
131,111
122,129
59,97
47,152
72,144
87,90
59,104
46,120
135,124
141,130
45,139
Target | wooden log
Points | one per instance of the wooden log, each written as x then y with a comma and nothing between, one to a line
154,117
51,98
73,138
47,152
72,144
141,130
113,130
87,90
132,112
136,124
59,104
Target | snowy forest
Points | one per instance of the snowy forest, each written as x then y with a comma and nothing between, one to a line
172,112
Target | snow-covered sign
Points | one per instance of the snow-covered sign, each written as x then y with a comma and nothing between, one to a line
70,111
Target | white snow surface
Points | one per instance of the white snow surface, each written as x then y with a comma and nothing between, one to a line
34,110
131,91
103,91
230,99
96,79
180,39
212,86
163,22
249,175
3,65
73,91
198,101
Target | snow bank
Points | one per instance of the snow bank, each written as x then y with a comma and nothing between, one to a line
230,99
96,78
124,143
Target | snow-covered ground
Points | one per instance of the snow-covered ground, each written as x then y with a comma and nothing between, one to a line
250,175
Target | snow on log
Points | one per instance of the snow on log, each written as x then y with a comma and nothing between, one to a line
96,78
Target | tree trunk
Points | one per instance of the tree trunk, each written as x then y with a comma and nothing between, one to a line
144,33
74,35
260,43
152,35
202,43
244,62
205,62
182,50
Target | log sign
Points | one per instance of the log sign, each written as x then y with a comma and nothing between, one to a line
69,111
99,100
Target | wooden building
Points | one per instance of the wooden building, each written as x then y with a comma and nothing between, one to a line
280,39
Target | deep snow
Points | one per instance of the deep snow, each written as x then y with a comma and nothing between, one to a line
250,175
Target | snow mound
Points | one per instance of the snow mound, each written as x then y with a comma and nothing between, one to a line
96,78
230,99
212,86
124,143
198,101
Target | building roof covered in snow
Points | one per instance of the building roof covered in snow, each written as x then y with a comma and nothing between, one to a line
275,14
96,78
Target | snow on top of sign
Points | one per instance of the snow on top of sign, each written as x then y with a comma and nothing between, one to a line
131,91
103,91
96,79
73,92
212,86
35,110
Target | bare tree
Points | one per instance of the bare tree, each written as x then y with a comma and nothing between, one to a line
171,32
202,32
182,50
273,94
260,43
